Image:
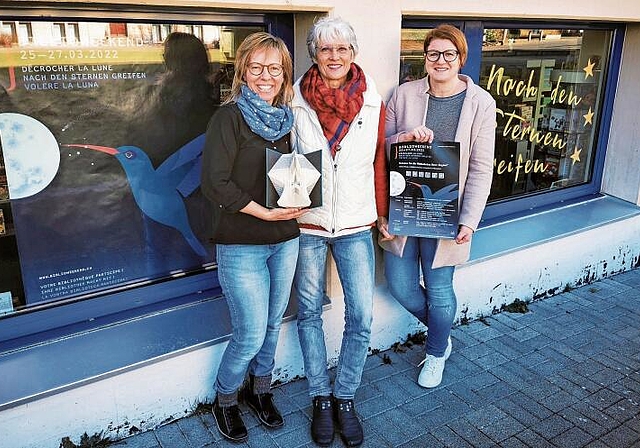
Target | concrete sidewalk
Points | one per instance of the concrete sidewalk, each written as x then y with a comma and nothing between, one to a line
565,374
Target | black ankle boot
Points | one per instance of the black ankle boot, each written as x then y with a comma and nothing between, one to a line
347,422
229,422
322,422
263,406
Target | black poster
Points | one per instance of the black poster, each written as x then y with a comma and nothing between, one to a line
423,186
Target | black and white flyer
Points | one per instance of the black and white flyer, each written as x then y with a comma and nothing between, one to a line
423,185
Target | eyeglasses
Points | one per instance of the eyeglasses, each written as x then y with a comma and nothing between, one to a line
341,50
256,69
448,55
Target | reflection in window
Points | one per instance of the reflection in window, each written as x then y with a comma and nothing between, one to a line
548,87
412,54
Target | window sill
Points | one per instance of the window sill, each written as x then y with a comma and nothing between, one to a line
498,238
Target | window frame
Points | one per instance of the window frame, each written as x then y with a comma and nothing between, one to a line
504,209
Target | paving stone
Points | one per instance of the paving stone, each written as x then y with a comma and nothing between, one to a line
468,431
552,426
516,411
487,333
572,438
421,405
602,419
524,334
170,436
581,380
531,406
569,387
449,438
195,431
498,345
534,440
426,440
286,405
366,392
496,391
145,439
581,421
503,429
492,359
463,391
390,390
260,437
461,339
622,436
473,352
398,425
559,400
603,398
624,409
513,442
481,380
505,319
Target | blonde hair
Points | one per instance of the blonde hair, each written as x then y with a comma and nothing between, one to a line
262,41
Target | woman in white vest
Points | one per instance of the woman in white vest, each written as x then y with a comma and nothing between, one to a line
337,110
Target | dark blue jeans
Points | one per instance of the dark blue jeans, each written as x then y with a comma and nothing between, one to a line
434,304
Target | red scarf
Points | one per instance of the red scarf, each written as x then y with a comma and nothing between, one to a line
336,108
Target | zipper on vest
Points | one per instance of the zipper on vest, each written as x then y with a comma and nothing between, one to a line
334,199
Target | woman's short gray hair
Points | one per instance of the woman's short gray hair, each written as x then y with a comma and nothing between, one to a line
330,29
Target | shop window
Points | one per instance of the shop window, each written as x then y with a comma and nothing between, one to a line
550,86
100,141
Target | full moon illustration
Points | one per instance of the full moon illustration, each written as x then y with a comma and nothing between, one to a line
31,154
397,184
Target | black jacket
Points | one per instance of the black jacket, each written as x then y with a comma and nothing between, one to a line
233,174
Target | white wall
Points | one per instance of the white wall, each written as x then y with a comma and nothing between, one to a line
623,151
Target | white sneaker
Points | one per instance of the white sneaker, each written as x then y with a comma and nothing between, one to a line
431,373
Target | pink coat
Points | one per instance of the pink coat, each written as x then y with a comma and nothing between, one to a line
407,109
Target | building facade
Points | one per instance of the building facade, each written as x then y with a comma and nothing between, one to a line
111,313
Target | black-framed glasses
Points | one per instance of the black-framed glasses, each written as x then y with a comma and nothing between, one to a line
448,55
256,69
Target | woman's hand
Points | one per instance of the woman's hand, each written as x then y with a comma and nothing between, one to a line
420,134
464,235
273,214
383,227
283,214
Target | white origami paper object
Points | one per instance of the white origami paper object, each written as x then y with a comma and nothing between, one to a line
293,177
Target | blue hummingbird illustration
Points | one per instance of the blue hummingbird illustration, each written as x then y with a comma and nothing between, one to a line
448,193
159,193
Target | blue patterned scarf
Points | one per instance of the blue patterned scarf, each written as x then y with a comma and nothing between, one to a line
270,123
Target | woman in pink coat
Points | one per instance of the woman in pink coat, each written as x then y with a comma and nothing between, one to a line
445,106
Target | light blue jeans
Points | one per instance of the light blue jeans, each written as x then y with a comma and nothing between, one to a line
354,259
256,280
435,306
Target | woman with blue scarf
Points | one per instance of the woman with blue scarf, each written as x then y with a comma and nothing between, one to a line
257,247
